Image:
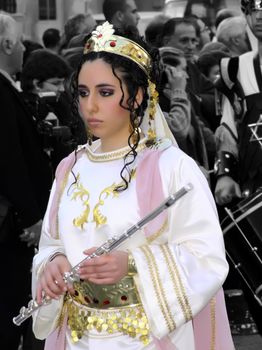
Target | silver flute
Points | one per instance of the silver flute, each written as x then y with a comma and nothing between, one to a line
112,243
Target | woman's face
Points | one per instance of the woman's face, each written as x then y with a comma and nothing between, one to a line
99,100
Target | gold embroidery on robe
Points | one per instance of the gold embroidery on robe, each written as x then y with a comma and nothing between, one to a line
177,282
158,288
98,217
83,194
80,192
157,234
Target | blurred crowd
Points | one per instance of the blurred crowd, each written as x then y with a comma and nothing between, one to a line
37,127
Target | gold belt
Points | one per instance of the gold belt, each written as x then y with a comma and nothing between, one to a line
118,316
123,293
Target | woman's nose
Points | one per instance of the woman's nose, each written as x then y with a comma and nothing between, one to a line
91,104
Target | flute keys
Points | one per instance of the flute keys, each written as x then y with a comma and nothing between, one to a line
23,311
32,305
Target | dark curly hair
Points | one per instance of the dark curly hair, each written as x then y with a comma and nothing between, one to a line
134,78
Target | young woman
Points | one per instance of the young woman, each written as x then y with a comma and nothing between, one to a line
147,293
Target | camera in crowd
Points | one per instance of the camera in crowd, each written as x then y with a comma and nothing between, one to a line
52,114
48,112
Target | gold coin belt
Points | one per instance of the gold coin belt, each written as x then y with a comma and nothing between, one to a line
129,320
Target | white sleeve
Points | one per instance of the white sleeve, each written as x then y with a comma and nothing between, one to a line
45,318
182,269
47,245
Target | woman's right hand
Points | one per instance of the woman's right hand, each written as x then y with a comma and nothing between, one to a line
51,281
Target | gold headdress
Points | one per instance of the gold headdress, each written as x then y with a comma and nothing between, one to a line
103,39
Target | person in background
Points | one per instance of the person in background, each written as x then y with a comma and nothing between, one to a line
26,179
122,14
172,94
214,46
204,33
160,288
77,24
42,83
30,46
206,10
182,34
51,39
233,34
209,63
192,136
154,29
228,13
74,50
225,13
239,160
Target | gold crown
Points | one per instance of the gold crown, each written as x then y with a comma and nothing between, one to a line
103,39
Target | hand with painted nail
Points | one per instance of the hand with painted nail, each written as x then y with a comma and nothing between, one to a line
51,283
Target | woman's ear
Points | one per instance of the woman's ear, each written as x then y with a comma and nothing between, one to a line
139,97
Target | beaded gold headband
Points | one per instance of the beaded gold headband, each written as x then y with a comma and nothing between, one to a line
103,39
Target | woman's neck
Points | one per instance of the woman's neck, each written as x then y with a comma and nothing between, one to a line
111,144
107,146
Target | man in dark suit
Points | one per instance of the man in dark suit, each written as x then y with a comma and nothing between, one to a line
25,184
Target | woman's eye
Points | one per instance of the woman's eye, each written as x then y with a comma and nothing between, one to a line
106,93
83,93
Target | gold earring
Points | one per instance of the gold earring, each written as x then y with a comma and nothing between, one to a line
134,129
89,136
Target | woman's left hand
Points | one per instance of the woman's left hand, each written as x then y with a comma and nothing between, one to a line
105,269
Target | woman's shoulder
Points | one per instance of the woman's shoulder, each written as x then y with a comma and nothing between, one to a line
173,153
173,159
168,154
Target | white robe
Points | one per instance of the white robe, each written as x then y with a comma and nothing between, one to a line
178,273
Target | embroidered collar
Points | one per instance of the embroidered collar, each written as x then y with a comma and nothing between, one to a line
110,156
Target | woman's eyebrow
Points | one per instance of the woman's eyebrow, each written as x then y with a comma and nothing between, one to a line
104,85
98,85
